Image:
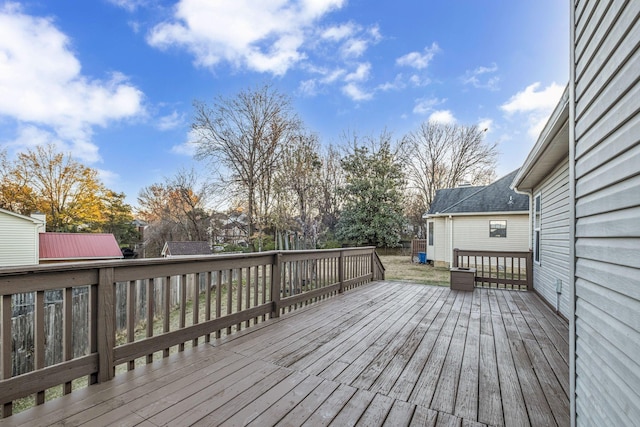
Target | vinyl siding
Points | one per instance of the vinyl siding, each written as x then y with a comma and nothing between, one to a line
18,241
554,239
472,233
606,159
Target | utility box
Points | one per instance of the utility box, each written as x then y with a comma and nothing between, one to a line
463,279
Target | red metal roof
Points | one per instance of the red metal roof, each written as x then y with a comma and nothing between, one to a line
76,246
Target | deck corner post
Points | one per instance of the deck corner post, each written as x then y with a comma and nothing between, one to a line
455,257
106,333
275,284
341,261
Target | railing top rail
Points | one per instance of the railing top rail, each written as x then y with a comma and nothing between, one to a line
89,265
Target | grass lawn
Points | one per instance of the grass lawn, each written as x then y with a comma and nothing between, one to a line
400,267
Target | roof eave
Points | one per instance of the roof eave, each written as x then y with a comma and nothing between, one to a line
531,171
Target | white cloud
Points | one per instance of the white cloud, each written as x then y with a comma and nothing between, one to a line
419,60
261,36
44,91
129,5
360,74
354,92
485,125
442,116
426,105
483,77
339,32
170,121
187,148
530,100
536,105
107,177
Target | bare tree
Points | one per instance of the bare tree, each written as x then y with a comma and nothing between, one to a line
246,134
444,156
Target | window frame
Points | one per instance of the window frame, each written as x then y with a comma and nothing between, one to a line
537,226
430,228
492,227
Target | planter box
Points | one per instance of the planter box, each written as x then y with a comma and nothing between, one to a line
463,279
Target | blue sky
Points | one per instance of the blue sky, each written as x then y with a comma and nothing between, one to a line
113,81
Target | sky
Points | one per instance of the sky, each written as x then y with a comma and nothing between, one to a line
113,81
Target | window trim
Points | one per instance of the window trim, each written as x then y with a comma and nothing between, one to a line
430,232
505,228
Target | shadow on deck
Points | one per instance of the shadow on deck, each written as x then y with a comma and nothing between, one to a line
387,353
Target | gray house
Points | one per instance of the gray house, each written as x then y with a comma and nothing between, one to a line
185,249
544,176
489,217
584,176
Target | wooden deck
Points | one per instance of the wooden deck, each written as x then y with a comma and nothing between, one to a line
387,353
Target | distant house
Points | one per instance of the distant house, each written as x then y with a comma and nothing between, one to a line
545,177
491,217
185,249
67,247
19,238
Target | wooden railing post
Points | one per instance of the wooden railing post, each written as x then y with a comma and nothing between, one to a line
455,257
6,409
275,285
530,271
106,324
341,261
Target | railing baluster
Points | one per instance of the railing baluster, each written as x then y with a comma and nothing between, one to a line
207,299
229,296
67,332
218,299
195,308
183,306
131,307
239,297
166,320
39,340
150,312
255,290
5,351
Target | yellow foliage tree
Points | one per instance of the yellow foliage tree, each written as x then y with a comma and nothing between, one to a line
45,180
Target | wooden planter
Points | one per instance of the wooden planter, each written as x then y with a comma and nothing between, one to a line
463,279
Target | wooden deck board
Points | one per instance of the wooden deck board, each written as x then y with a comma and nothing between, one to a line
384,354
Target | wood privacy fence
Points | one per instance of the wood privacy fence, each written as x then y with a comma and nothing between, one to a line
417,246
116,314
496,269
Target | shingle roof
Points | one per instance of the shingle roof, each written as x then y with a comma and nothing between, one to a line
186,248
76,246
496,197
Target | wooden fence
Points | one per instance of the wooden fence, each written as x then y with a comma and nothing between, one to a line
417,246
496,269
161,312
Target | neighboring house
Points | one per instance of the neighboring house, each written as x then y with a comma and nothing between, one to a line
68,247
604,179
185,249
544,176
19,238
491,217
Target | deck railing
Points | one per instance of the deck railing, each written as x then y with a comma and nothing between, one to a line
498,269
137,311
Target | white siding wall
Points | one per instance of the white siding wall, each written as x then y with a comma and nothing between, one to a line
472,233
554,239
18,241
606,161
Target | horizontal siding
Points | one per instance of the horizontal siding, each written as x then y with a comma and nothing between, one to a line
17,241
472,233
554,239
606,37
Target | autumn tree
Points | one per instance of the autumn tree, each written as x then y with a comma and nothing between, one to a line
117,218
246,134
440,156
374,182
331,180
175,210
45,180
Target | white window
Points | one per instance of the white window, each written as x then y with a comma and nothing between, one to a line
537,213
498,228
